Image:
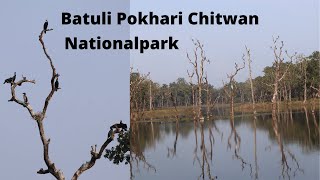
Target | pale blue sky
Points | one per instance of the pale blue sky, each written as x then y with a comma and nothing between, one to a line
94,94
295,21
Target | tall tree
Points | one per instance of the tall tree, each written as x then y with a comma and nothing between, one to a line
198,63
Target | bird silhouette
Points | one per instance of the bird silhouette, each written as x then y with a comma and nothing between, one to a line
45,26
11,79
120,125
56,85
25,98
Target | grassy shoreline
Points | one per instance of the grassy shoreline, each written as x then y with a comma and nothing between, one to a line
187,112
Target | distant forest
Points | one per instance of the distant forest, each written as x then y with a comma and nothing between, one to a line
301,82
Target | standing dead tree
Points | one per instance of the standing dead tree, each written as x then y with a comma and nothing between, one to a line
136,101
40,116
278,75
198,64
208,94
230,92
248,57
192,93
304,65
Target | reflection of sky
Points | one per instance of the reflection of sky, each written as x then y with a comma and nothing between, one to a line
297,23
224,165
94,94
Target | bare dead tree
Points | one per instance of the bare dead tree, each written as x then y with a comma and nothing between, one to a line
278,77
40,116
248,57
136,102
190,75
208,96
198,64
230,92
150,94
304,65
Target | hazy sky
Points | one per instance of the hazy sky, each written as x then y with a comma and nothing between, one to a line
94,94
295,21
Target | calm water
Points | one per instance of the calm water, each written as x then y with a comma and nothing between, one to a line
287,148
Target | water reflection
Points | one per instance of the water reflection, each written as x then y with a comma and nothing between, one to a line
271,146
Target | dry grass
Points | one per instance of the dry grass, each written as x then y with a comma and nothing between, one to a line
187,112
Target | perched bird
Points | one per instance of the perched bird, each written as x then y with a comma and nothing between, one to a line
25,98
118,126
123,126
11,79
14,77
45,26
56,85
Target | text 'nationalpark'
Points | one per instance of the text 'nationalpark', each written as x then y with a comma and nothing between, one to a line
140,18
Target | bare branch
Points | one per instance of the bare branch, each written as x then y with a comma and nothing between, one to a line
54,73
95,155
15,99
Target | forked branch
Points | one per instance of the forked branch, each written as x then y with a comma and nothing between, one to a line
51,168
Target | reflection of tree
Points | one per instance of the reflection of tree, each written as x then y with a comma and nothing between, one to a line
315,121
256,176
204,163
291,127
174,149
293,132
286,169
237,144
138,140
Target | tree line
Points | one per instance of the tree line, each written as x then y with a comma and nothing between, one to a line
300,81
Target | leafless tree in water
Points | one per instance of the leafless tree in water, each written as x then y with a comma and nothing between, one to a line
137,103
198,63
278,74
248,57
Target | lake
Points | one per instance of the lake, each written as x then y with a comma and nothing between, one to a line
261,148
